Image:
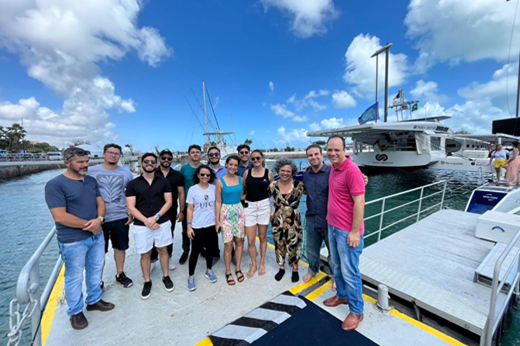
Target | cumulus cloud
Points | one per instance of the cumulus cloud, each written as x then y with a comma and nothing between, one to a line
427,91
361,69
271,86
282,111
308,100
445,30
309,17
294,137
61,44
252,132
342,99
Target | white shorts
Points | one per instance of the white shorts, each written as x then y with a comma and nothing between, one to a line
258,213
145,238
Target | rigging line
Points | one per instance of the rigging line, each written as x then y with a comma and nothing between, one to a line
202,108
508,59
211,104
195,114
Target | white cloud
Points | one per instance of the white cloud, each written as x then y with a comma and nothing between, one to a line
60,43
294,137
454,30
475,116
282,111
342,99
361,69
427,91
308,100
271,86
309,17
314,126
252,132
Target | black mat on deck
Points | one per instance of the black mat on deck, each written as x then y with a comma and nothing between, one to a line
312,326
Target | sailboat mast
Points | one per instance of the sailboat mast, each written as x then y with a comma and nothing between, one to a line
205,109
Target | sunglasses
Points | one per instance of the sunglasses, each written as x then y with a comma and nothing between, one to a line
165,158
205,175
244,152
113,153
150,161
80,153
214,155
257,158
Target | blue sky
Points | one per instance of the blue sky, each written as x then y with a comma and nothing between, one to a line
114,70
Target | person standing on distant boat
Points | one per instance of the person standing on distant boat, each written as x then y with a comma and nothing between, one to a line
187,170
112,180
245,163
230,217
500,156
345,212
258,209
148,198
285,217
78,210
176,181
513,165
201,222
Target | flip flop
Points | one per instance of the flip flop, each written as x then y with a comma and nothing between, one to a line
240,277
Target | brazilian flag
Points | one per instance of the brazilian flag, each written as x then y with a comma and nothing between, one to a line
414,107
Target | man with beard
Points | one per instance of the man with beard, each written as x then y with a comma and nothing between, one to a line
78,209
194,151
148,198
112,180
176,181
214,163
244,152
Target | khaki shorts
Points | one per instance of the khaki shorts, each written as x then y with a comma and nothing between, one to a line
258,213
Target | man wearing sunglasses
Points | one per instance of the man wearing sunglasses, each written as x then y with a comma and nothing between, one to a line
112,180
194,151
214,163
148,198
176,181
243,152
78,209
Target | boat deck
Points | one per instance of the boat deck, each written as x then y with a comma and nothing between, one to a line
209,315
432,263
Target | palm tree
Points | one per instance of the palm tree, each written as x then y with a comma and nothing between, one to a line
15,134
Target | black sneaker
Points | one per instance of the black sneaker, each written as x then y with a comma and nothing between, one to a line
124,280
168,284
147,290
183,258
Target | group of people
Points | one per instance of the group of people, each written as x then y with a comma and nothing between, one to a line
92,206
510,160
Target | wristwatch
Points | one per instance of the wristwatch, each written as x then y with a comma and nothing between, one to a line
101,218
157,217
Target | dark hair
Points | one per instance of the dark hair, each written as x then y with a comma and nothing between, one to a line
196,178
337,136
194,146
146,155
112,145
233,157
213,148
166,151
261,154
515,144
242,146
69,153
283,161
313,146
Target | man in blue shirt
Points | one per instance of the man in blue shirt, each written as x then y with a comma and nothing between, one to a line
78,209
214,163
244,151
316,180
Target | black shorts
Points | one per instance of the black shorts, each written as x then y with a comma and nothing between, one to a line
117,231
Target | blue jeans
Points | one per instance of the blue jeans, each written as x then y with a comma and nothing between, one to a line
315,237
346,269
89,255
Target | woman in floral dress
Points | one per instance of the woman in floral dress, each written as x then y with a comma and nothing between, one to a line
286,224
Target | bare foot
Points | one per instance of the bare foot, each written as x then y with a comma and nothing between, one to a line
307,277
251,271
334,286
261,271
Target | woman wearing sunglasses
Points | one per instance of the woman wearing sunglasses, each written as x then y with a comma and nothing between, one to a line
201,221
230,216
258,209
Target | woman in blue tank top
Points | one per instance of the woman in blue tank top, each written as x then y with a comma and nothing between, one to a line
230,216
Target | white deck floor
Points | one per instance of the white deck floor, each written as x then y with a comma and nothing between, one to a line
185,318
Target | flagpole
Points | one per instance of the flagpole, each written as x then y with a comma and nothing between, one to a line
377,75
385,49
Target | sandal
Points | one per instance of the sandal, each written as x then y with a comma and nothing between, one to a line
240,277
229,279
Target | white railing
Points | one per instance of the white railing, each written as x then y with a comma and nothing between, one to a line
420,211
496,287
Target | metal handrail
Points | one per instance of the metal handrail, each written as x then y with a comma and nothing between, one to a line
28,292
419,208
496,287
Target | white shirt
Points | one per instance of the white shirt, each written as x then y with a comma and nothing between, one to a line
203,206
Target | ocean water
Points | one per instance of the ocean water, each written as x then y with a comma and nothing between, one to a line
25,220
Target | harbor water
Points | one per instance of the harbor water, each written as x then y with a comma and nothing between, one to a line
25,220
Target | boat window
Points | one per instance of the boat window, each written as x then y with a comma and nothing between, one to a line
452,145
435,143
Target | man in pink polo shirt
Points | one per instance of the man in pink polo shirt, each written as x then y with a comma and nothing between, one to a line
345,211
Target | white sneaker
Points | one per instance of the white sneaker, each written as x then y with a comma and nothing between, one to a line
172,264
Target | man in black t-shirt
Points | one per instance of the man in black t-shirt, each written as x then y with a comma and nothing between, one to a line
148,198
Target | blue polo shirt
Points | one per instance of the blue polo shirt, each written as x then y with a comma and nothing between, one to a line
220,172
242,169
317,185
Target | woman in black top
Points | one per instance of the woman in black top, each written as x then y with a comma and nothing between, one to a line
258,211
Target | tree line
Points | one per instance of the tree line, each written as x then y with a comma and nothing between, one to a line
12,138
